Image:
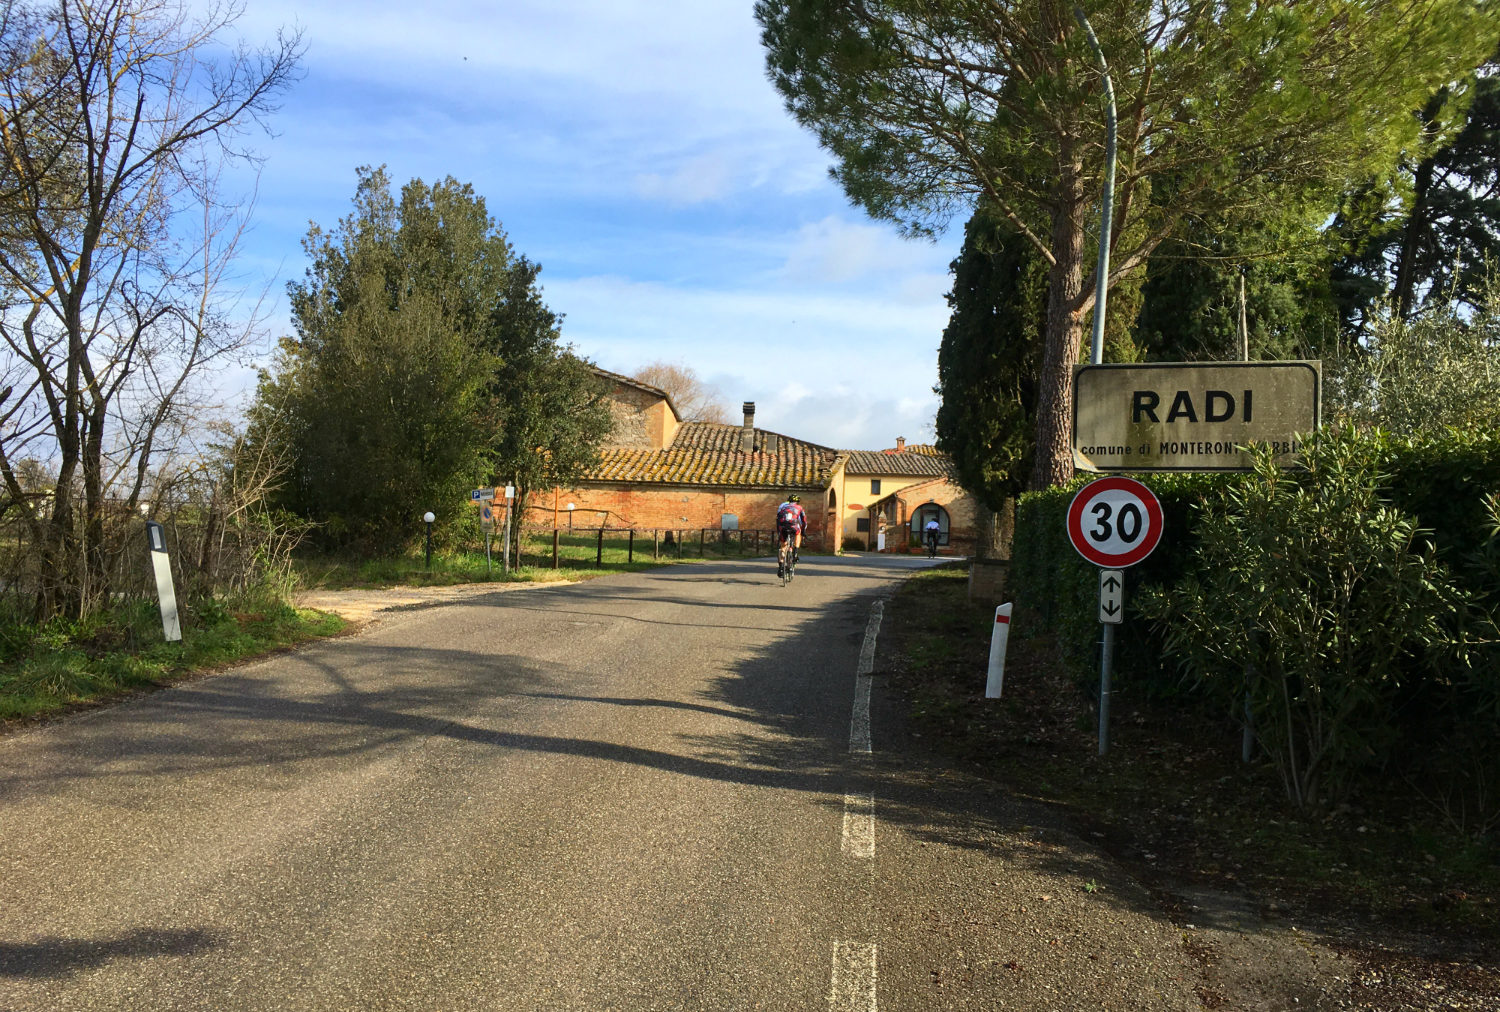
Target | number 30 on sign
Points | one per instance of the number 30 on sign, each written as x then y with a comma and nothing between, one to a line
1114,522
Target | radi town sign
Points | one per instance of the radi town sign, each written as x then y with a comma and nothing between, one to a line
1190,416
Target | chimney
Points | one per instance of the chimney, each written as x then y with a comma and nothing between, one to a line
747,435
900,443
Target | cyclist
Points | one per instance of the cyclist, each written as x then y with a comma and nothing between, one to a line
791,521
932,531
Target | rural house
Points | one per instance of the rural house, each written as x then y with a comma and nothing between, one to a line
895,491
659,472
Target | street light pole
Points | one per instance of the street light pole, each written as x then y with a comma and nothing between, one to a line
428,518
1096,349
1101,285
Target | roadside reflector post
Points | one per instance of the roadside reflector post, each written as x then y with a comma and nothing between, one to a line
166,594
999,636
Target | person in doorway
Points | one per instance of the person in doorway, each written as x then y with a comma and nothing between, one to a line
932,531
791,521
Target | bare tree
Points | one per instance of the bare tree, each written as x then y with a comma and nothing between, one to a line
115,119
696,400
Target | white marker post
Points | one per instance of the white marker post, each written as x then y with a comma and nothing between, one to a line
996,680
510,497
161,563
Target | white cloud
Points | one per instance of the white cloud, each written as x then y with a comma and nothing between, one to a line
861,365
636,149
835,251
697,181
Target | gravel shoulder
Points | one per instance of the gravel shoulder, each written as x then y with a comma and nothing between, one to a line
363,606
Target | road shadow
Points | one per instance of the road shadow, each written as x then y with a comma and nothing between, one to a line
50,957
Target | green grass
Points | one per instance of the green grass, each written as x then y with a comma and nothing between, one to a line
1173,786
577,555
63,664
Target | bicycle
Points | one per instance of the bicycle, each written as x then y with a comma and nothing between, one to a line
932,544
786,559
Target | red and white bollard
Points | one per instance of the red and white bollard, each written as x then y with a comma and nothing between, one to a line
996,680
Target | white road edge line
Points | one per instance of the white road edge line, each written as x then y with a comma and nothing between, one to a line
872,629
859,826
853,988
859,726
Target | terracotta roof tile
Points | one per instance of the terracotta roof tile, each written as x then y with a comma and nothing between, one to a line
708,453
912,462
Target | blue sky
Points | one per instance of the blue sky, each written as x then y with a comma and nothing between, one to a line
636,150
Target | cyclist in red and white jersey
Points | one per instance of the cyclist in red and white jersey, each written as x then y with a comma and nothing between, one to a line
791,521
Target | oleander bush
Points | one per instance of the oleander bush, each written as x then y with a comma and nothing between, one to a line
1353,597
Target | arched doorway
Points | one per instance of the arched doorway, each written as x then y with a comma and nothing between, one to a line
834,526
923,513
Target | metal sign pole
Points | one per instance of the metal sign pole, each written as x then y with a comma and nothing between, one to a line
1111,613
1106,667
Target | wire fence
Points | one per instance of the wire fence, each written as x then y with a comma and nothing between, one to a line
599,547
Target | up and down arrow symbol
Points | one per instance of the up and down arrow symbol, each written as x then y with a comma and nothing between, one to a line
1111,596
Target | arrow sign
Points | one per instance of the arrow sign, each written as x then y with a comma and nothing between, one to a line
1111,596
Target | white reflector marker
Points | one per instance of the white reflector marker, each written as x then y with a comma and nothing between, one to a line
996,680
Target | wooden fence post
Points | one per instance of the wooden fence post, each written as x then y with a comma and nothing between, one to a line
655,544
599,552
630,548
554,546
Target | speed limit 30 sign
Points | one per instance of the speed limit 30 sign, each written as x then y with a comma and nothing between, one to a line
1114,522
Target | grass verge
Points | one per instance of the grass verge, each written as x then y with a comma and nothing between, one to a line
578,559
1172,799
62,665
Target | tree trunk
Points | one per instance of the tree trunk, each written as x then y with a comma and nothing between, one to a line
996,532
1054,409
1411,237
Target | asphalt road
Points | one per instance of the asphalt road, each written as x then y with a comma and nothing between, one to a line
639,793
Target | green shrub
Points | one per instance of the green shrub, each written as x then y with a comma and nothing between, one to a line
1049,577
853,544
1316,600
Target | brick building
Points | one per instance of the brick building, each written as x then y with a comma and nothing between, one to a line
662,473
659,472
903,515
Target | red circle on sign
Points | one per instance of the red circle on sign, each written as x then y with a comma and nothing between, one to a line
1100,498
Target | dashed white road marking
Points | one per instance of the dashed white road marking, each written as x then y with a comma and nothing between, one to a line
853,987
872,629
859,826
859,726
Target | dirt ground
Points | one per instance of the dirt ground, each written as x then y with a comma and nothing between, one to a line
362,606
1262,941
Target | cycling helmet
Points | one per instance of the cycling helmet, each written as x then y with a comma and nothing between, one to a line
794,497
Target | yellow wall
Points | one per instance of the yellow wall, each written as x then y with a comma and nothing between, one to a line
855,489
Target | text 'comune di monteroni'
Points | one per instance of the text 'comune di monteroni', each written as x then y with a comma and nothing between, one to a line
1188,448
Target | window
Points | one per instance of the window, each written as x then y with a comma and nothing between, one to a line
862,524
874,486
